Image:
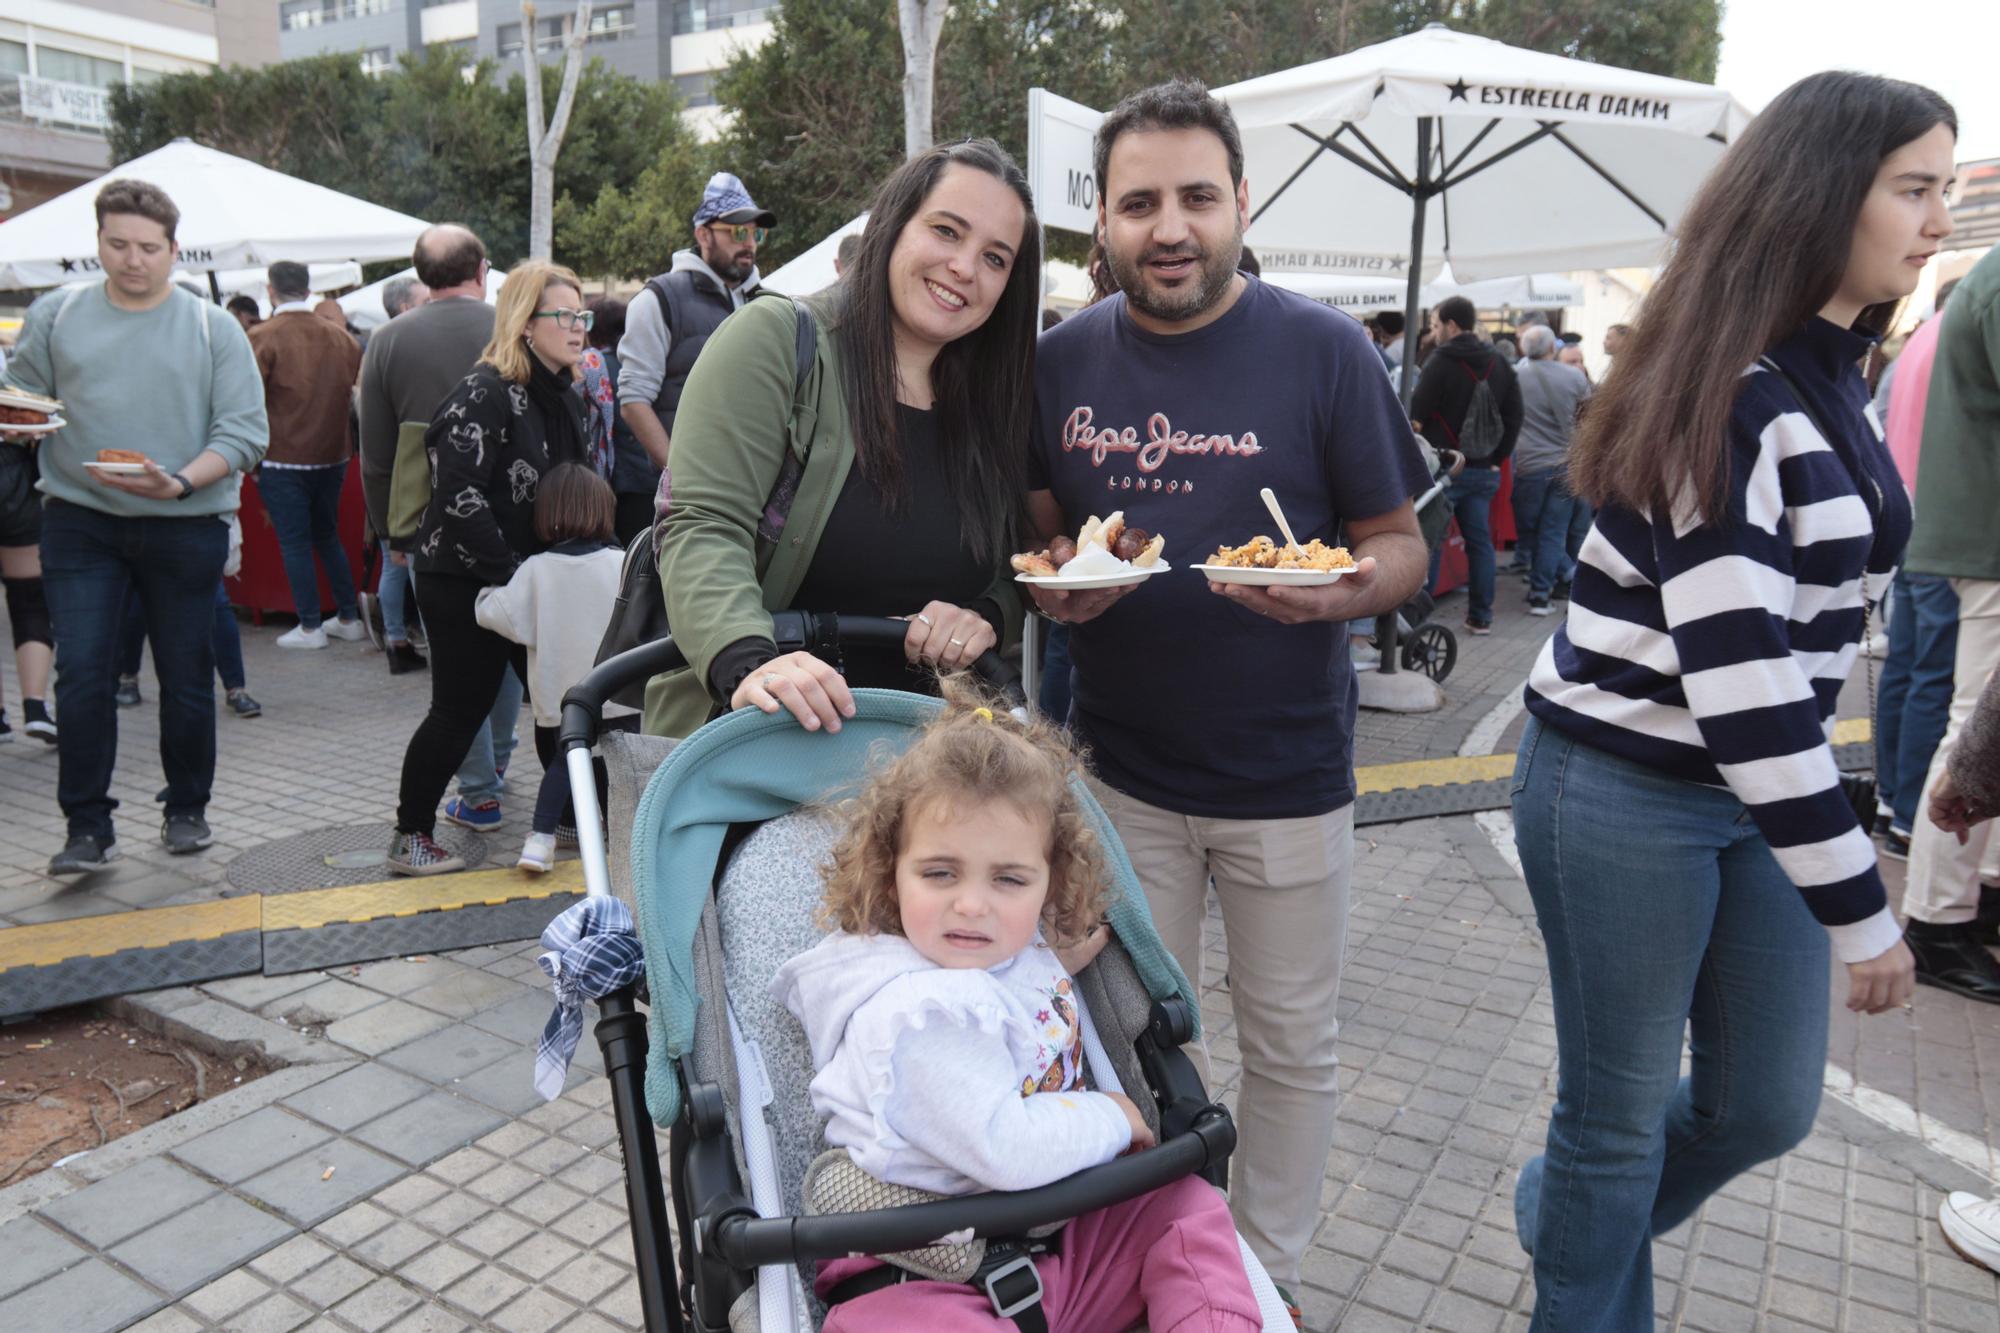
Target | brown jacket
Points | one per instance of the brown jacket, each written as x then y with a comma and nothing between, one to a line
309,368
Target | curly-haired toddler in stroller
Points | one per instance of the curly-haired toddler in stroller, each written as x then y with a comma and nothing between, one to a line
950,1040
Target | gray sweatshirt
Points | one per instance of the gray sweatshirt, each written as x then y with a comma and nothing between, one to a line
411,366
642,352
170,382
1975,756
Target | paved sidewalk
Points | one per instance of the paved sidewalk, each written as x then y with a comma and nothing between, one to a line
457,1200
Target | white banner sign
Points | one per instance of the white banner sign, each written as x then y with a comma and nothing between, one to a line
71,103
1060,170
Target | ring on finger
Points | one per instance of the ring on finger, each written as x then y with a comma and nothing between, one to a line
926,619
957,643
770,681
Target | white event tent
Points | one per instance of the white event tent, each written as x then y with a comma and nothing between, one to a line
235,214
1390,160
812,270
364,305
1536,291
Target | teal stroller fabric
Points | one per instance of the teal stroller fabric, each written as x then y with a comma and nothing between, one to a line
749,767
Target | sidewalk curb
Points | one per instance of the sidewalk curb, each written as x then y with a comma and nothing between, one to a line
221,1029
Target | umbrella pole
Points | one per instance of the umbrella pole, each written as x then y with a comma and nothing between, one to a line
214,287
1420,197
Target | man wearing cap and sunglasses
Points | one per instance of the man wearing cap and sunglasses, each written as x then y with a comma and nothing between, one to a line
670,319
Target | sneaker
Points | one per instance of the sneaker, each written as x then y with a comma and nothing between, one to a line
182,835
566,835
37,722
1951,958
1478,627
301,637
1972,1227
466,814
1292,1308
1539,605
351,630
6,732
419,854
84,852
240,703
538,854
371,619
1896,846
403,658
127,693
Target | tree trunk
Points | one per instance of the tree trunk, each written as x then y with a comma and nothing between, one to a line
922,21
545,144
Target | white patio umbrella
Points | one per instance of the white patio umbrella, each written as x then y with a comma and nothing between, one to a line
364,304
1535,291
235,214
812,270
1514,161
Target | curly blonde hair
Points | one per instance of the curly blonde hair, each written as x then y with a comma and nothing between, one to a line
976,751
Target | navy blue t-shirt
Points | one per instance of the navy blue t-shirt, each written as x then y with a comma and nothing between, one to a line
1187,700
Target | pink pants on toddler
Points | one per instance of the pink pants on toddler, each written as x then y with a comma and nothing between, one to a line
1169,1257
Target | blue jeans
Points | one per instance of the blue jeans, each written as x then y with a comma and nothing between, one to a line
1663,912
1915,691
393,591
304,505
1471,494
225,637
1543,510
89,561
1054,690
479,776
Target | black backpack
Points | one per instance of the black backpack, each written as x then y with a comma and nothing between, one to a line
1480,434
639,616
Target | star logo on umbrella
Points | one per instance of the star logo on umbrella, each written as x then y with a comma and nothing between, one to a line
1457,90
69,266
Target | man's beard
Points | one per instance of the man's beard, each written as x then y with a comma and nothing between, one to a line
1211,284
728,272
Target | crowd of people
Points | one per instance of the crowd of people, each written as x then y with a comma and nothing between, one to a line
1719,516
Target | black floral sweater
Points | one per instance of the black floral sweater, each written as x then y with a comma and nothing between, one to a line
489,446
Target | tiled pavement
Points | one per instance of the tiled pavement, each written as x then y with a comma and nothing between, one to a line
455,1200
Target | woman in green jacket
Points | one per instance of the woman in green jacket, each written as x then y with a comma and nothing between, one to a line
908,444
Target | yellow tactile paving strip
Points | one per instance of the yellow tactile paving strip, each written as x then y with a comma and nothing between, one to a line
100,936
407,897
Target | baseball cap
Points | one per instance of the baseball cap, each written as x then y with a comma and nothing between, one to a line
725,200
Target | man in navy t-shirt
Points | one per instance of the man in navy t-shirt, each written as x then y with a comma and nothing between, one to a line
1220,718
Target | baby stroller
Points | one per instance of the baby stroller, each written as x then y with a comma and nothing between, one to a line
723,871
1426,647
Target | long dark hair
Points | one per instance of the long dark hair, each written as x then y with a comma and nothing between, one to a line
983,383
1762,249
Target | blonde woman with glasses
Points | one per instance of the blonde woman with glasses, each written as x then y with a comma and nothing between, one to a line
509,422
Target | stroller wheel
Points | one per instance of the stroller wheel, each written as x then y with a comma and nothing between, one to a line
1431,649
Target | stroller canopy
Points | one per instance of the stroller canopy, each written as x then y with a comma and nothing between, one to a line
749,767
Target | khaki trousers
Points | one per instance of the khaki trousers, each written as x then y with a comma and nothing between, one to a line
1944,874
1283,885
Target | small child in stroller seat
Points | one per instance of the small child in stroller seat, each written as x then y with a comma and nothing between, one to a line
949,1039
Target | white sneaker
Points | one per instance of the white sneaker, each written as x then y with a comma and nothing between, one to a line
538,854
301,637
351,630
1972,1227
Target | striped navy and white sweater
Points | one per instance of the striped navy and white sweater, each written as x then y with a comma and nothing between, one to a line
1715,652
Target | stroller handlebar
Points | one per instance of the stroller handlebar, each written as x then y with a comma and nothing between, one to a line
819,633
747,1241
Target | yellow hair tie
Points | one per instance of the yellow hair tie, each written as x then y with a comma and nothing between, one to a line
983,714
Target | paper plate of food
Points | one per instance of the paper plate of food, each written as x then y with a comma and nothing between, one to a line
1105,553
119,462
1263,563
24,413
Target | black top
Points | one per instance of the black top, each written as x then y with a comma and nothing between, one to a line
874,559
490,444
1444,392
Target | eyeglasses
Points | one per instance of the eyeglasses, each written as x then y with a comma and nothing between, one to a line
741,231
570,319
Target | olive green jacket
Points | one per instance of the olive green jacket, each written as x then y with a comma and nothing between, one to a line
737,418
1958,486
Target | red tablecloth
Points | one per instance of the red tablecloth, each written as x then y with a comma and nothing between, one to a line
260,585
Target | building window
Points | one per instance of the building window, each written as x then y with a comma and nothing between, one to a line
704,15
377,60
611,25
696,89
13,57
74,67
548,37
294,15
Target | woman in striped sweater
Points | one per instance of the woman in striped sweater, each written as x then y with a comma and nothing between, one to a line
1677,807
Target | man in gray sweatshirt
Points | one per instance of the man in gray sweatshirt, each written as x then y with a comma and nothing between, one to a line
143,366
